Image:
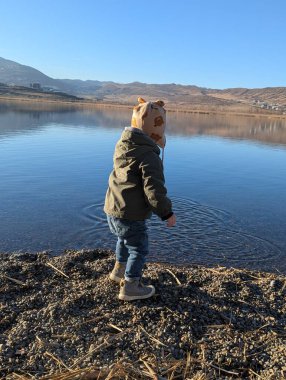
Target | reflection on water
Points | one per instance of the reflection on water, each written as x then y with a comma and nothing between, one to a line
23,121
259,128
238,127
225,174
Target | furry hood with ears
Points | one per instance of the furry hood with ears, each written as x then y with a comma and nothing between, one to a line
150,117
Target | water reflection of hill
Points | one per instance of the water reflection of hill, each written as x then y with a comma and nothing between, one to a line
21,119
237,127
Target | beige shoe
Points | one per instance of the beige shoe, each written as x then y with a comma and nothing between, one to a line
135,290
118,271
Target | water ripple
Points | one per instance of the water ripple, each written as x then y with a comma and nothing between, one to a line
203,234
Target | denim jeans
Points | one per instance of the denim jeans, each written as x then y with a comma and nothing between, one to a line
132,244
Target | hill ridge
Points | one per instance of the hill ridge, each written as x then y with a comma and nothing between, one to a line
274,98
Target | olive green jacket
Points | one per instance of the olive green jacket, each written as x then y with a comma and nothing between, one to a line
136,183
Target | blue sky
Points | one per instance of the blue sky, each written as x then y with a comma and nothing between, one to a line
209,43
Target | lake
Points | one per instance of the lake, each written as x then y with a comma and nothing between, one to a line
226,176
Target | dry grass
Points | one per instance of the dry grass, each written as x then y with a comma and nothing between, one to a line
145,369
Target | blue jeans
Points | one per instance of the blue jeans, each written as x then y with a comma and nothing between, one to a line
132,244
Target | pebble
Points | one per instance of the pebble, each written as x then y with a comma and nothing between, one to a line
227,316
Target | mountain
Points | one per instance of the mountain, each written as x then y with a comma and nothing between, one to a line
175,95
14,73
269,95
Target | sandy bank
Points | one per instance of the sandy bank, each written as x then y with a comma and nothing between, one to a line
60,315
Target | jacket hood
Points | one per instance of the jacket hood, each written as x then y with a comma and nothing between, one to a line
134,143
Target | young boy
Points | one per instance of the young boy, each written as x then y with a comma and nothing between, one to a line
136,189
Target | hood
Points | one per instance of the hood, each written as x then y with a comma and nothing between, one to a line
133,144
150,117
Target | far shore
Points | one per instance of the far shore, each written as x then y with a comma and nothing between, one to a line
204,109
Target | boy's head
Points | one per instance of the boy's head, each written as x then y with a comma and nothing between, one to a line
150,117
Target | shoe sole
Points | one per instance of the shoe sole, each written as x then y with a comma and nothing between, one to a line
115,278
125,297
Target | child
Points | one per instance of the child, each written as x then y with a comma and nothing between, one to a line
136,189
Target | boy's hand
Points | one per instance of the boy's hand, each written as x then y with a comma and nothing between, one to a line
171,221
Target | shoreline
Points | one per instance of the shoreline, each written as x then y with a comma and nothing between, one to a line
61,319
203,109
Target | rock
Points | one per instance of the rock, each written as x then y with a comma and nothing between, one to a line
223,316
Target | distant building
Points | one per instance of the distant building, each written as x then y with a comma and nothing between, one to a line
50,88
36,86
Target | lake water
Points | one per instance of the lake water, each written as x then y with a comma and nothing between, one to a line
226,177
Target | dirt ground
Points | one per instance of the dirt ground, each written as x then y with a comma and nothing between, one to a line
60,318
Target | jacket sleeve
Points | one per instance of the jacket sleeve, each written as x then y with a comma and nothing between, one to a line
153,181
